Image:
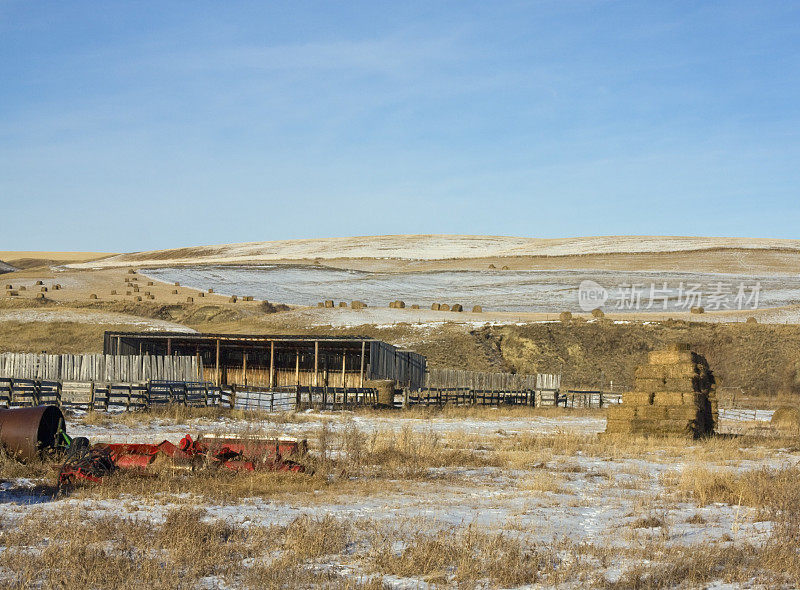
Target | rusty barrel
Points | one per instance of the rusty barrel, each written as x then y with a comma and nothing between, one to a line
24,432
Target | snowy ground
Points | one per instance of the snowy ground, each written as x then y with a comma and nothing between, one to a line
583,494
510,291
433,247
88,317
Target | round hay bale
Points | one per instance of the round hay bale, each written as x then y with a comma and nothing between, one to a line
138,298
23,288
444,307
477,309
127,292
147,293
505,268
697,310
40,296
343,304
131,271
176,284
43,289
456,307
190,300
415,306
174,291
598,313
233,299
93,296
751,320
321,304
786,418
565,316
211,290
56,287
385,389
401,304
13,294
436,307
150,283
329,303
358,305
113,292
151,296
392,304
201,294
135,289
492,266
39,283
9,287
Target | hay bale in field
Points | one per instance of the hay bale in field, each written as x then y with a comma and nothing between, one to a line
320,304
150,283
174,291
127,292
444,307
674,394
697,310
40,296
23,288
415,306
43,290
786,419
436,307
9,287
201,294
13,294
39,283
400,304
477,309
505,268
56,287
751,320
456,307
358,305
93,296
147,293
138,298
190,300
176,284
598,313
233,299
211,290
151,296
565,316
343,304
492,266
135,289
131,271
113,291
329,303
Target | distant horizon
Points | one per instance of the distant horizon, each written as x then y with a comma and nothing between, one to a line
153,126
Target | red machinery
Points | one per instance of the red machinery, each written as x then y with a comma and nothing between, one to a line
236,454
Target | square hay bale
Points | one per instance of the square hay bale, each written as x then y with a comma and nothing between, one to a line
672,398
651,412
621,412
358,304
687,385
685,413
636,398
669,357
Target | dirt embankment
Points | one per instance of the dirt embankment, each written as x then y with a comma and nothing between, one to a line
759,359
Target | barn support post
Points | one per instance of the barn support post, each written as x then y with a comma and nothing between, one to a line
297,369
361,378
316,363
271,364
344,382
169,346
216,366
244,368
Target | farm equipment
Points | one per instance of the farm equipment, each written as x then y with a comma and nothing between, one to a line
30,433
208,452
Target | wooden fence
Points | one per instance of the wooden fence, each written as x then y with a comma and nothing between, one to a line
100,367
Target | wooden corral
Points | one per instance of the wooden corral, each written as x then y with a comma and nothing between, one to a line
280,361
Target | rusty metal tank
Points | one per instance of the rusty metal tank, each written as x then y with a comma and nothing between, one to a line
26,432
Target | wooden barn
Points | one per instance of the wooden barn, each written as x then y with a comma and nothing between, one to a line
280,361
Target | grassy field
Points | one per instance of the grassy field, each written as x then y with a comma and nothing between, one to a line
461,498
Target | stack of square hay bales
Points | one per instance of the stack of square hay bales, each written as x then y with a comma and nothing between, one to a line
674,394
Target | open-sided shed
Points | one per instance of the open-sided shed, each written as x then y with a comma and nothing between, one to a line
275,360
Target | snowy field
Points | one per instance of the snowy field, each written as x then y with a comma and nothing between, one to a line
589,506
434,247
511,291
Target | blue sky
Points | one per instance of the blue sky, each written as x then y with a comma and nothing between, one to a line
138,125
